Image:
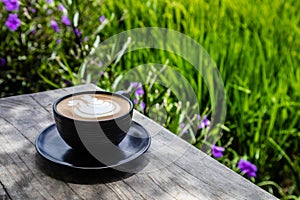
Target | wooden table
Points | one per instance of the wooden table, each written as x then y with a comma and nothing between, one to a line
175,169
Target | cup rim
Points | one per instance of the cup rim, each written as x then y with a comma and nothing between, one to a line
54,106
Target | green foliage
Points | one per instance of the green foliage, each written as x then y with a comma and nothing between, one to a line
256,47
37,57
254,44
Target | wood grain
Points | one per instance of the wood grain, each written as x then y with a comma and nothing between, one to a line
173,169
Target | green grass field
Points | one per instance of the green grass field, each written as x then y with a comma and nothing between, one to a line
255,45
256,48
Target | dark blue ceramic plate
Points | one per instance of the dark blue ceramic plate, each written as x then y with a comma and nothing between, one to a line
50,145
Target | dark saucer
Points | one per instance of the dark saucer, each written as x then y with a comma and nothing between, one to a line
50,145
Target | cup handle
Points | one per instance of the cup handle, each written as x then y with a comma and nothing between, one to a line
124,93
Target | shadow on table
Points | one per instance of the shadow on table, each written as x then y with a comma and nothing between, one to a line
90,176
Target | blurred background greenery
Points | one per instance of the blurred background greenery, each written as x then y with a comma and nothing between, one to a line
255,45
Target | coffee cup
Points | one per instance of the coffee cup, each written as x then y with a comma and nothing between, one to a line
98,117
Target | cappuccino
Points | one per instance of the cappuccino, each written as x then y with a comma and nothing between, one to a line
93,107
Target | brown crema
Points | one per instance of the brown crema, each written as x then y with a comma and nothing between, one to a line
64,108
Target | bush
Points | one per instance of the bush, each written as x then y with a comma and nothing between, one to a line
48,45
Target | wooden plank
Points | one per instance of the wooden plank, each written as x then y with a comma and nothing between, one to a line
175,169
199,173
3,194
20,173
21,120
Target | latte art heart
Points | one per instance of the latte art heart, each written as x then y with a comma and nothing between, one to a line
91,107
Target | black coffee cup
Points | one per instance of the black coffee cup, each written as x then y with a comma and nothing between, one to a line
74,123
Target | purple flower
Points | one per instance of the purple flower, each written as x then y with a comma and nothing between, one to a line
204,123
11,5
100,64
102,19
61,7
65,20
217,152
33,10
86,38
13,22
201,125
49,1
58,41
143,105
139,91
54,25
134,84
100,74
68,83
2,62
181,126
247,168
33,31
139,88
77,32
198,117
49,12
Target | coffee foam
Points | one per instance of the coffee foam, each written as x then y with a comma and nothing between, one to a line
93,106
